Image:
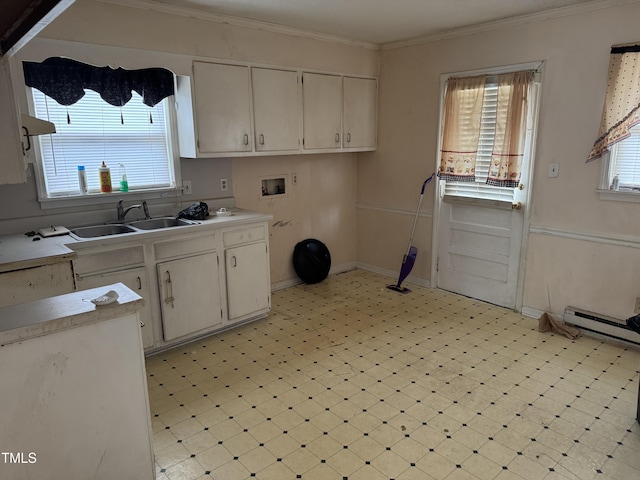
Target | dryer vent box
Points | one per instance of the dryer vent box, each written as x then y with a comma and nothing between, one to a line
273,187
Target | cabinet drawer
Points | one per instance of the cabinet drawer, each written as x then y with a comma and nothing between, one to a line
20,286
108,260
245,235
185,246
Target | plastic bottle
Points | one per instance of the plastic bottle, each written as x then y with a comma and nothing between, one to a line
124,184
615,185
105,178
82,179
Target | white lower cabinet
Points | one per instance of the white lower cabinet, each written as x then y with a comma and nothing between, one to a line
248,286
189,295
136,280
190,291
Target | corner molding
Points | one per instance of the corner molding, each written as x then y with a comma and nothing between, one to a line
240,22
510,22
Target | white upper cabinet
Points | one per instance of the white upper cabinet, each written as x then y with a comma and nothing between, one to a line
359,113
228,110
12,160
275,109
223,108
322,111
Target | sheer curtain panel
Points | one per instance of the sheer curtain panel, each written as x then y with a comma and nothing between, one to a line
622,98
511,124
462,117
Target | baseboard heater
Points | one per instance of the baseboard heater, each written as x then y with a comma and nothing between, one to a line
600,324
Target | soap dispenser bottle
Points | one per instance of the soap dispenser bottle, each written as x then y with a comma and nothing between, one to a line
105,178
124,184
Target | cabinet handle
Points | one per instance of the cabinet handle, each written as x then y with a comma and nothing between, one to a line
245,139
337,138
234,261
26,135
169,298
348,138
139,283
261,139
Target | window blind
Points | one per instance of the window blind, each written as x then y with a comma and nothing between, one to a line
627,159
91,131
479,188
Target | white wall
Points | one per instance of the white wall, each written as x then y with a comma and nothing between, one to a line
322,205
592,260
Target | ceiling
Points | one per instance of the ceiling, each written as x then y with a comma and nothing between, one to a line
374,21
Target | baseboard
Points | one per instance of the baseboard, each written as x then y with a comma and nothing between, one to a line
393,274
291,282
534,313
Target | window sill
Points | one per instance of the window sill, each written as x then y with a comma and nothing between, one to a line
107,198
632,196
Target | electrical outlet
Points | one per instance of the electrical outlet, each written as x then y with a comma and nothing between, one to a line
186,187
636,309
223,184
294,178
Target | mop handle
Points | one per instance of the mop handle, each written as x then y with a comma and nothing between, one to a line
415,220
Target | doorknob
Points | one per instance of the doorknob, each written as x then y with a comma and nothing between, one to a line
516,206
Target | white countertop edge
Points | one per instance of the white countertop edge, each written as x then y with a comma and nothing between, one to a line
42,317
18,252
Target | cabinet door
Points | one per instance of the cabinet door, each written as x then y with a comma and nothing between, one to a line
136,280
223,111
248,282
13,164
322,110
275,109
189,295
359,110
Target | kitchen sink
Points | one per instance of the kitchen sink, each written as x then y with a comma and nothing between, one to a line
102,230
162,222
106,229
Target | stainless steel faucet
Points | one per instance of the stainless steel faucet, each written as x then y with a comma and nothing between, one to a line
122,212
145,209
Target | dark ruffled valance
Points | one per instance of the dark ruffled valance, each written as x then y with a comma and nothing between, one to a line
65,80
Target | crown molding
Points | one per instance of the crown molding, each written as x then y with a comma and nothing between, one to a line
199,14
509,22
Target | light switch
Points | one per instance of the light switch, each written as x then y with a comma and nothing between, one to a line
553,170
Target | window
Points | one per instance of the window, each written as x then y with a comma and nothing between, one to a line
136,136
618,142
624,161
480,188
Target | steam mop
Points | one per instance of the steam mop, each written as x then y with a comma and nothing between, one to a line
410,257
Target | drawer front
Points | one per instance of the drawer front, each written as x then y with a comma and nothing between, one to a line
108,260
244,235
185,246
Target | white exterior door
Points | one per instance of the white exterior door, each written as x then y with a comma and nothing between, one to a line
480,229
479,249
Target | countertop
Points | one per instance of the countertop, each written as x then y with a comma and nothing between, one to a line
42,317
19,251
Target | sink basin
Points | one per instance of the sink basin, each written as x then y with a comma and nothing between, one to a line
102,230
163,222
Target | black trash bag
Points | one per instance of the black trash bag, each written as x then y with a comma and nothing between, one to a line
195,211
311,260
634,323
